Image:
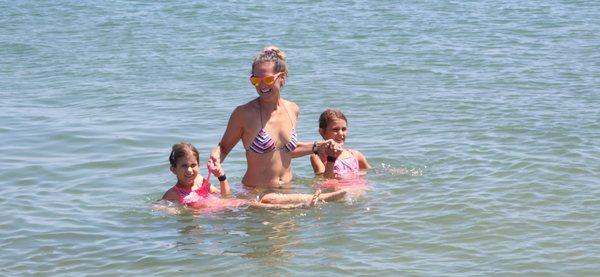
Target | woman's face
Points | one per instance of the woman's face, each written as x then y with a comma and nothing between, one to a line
264,89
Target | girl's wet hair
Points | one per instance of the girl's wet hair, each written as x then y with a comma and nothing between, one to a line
182,149
271,54
330,115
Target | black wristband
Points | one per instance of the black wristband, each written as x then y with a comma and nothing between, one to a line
222,178
331,159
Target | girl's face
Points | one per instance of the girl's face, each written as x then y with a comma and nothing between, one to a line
263,88
186,170
337,130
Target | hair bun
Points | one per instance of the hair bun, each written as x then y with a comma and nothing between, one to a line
275,51
271,54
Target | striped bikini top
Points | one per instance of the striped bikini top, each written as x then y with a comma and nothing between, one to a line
264,143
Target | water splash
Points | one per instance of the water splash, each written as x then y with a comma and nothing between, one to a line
384,168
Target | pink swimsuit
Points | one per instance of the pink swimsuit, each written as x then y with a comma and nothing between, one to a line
349,171
187,197
203,201
348,165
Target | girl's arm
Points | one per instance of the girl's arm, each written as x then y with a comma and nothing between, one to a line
317,164
328,172
215,168
225,189
230,138
332,152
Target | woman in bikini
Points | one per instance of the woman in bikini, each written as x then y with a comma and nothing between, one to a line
266,126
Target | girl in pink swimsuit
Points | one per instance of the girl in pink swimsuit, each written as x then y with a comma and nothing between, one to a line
337,161
194,191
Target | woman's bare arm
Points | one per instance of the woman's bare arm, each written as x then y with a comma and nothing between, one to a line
231,137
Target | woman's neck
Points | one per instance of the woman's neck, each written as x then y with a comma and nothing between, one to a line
270,105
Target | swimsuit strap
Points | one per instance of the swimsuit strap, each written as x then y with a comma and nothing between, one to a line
260,114
293,142
181,191
288,114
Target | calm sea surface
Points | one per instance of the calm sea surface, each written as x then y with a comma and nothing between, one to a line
481,119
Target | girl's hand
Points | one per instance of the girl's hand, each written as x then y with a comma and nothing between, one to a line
334,149
324,148
214,166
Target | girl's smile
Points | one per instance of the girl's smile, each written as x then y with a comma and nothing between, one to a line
337,130
186,170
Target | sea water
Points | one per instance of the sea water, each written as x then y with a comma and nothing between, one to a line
481,120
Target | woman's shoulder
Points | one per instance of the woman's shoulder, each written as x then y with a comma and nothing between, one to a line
246,108
291,106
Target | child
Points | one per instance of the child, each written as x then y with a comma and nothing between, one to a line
336,161
189,191
190,187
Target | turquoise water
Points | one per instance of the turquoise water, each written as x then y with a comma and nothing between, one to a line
481,119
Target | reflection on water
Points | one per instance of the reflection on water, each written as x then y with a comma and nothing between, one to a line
257,234
272,239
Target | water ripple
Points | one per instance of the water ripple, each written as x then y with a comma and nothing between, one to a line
480,120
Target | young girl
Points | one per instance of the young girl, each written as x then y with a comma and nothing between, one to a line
336,161
194,191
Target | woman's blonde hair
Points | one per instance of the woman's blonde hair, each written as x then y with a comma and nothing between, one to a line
271,54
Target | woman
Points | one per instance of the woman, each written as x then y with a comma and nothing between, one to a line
266,126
